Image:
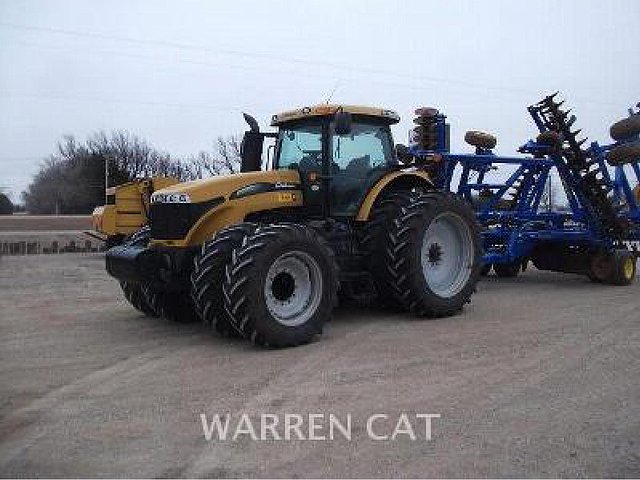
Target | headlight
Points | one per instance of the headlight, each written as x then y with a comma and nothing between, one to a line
177,197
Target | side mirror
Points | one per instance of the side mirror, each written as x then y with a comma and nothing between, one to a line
342,123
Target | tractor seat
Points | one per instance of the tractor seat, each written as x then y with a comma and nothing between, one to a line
480,139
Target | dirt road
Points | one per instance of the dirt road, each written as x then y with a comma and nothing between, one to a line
539,377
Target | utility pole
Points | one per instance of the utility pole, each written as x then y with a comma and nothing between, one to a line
106,177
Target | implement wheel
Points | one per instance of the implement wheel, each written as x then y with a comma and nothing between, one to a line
208,275
434,254
624,268
600,267
625,128
480,139
281,285
625,153
550,138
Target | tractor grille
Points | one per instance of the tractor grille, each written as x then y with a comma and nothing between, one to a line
172,221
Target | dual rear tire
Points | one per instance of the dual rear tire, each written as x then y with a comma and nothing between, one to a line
428,253
274,284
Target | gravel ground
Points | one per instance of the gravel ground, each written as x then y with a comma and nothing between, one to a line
539,377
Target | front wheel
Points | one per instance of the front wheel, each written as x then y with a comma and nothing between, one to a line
281,284
134,294
176,306
207,276
434,254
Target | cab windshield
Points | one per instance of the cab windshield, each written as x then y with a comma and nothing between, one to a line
368,146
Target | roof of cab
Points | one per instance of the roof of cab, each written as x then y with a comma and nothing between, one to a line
325,109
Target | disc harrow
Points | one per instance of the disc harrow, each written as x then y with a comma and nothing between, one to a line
591,235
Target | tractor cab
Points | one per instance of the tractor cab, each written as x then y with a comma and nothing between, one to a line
340,152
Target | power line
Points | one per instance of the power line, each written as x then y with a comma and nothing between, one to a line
139,57
280,58
240,67
119,101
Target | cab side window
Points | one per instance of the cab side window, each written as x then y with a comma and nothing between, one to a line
359,160
365,148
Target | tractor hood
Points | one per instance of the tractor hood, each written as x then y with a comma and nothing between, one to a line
227,186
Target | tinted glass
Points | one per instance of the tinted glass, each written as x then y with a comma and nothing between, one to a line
366,147
359,161
300,145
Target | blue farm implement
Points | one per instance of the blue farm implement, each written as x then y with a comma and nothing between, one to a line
593,235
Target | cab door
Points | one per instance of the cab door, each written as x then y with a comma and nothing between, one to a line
301,147
359,160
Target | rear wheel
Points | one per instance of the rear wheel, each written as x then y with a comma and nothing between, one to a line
281,285
434,254
374,243
208,275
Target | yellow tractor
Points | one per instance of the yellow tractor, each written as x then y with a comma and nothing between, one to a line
336,208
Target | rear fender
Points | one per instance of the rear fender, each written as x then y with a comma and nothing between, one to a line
405,180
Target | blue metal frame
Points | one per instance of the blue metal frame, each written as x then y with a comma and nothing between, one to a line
512,230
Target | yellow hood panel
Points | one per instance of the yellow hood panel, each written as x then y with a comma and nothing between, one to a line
225,185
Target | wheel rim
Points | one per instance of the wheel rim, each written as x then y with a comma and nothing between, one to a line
447,254
293,288
628,268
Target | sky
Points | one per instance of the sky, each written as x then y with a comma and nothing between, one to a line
179,73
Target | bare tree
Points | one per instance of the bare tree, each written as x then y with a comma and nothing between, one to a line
6,206
127,152
225,160
73,179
